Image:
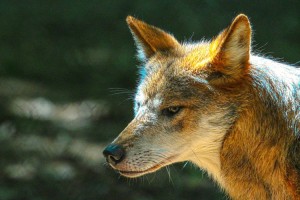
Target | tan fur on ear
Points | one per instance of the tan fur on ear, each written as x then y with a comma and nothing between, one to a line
230,51
150,39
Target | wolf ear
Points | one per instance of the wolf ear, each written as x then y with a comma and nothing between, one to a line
150,39
230,51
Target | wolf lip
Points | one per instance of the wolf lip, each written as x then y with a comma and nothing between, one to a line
149,170
140,173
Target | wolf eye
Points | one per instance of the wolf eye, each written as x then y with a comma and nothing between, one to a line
171,111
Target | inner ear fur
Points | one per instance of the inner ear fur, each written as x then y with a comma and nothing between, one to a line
150,39
230,51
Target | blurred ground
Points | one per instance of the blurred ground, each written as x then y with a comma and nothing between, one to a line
67,72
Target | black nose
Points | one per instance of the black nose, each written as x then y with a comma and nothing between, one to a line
114,153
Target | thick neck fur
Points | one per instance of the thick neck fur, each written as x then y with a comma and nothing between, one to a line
255,156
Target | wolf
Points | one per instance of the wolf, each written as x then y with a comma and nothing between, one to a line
216,104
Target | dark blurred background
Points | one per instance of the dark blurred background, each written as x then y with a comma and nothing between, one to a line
67,73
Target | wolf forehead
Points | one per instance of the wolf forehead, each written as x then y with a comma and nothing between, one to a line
172,76
185,59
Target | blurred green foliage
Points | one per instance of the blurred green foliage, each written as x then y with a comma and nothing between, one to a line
61,63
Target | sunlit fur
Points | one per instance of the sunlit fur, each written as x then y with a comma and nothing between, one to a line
239,117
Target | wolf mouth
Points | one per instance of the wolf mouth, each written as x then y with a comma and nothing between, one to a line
132,174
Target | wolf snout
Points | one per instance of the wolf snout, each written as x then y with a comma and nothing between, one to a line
114,154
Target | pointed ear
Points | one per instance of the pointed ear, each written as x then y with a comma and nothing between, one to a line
230,51
150,39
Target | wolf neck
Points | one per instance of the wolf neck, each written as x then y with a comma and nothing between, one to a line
207,157
254,153
205,150
276,89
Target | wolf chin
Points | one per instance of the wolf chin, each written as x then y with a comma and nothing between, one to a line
234,114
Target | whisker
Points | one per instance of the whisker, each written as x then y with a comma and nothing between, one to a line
153,178
169,174
117,91
185,164
127,99
196,156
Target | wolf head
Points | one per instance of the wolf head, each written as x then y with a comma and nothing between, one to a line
188,97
